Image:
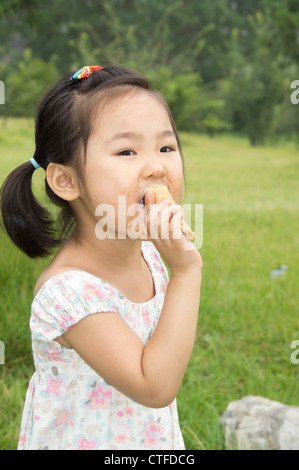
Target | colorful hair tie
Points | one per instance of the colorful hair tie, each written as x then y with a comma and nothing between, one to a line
34,163
85,72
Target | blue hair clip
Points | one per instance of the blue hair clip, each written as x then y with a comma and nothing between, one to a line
34,163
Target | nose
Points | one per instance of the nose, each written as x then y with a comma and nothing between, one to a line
155,168
158,174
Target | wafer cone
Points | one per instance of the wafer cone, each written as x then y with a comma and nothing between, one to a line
160,192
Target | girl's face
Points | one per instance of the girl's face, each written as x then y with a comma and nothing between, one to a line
132,147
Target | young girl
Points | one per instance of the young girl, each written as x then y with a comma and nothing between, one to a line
111,334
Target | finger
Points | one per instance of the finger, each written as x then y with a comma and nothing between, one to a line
168,212
149,198
154,218
175,224
177,208
170,217
153,210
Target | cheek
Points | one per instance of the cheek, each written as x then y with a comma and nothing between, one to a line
176,182
99,192
178,188
100,186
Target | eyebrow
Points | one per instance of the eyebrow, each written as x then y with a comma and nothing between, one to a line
134,135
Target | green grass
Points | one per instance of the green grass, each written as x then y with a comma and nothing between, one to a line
247,320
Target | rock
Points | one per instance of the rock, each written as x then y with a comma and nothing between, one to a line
257,423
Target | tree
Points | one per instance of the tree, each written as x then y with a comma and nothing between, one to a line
10,7
220,64
255,81
25,84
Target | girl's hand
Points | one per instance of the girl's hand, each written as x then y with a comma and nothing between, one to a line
179,259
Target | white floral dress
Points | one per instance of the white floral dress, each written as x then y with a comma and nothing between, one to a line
68,405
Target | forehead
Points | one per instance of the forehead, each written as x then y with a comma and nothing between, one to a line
130,107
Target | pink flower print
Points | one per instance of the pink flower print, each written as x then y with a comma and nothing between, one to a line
146,317
54,386
57,280
91,291
120,438
99,397
152,434
129,411
21,441
84,444
51,353
63,418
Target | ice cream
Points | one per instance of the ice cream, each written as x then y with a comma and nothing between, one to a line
160,192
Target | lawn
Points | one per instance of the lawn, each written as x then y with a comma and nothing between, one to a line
247,319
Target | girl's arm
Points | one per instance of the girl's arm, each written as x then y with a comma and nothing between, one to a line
149,374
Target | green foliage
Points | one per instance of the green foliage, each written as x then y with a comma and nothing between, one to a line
222,65
182,91
26,82
255,82
11,7
194,105
212,124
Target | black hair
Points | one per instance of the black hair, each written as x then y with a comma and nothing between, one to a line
63,124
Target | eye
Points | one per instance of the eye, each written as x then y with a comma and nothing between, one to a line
167,149
126,152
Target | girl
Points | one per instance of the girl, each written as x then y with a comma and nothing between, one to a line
111,334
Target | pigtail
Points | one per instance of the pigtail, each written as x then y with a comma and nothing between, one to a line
27,223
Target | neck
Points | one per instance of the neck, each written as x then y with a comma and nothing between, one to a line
121,255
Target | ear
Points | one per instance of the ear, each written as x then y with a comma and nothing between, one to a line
62,181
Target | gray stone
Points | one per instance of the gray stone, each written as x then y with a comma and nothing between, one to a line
257,423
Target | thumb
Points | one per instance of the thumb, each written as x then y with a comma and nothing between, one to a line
149,197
